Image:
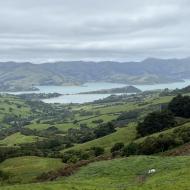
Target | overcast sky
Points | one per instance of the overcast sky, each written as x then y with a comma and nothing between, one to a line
123,30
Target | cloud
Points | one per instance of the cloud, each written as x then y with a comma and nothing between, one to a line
41,30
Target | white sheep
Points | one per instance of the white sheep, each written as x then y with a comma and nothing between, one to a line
151,171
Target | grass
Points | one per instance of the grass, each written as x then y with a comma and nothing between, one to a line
11,105
17,138
25,169
107,112
172,173
38,126
105,118
65,126
114,108
125,135
17,106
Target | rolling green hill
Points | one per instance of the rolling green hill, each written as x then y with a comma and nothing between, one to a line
25,169
24,76
172,173
125,135
43,133
17,138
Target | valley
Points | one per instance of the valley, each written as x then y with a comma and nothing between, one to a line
65,143
94,95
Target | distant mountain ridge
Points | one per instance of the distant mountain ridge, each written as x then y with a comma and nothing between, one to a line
24,76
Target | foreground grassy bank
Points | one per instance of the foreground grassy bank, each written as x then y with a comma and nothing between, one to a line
172,173
25,169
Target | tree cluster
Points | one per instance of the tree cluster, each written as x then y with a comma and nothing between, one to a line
156,122
180,106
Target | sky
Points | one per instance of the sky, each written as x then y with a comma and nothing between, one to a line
118,30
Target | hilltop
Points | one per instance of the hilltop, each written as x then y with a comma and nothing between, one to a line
25,76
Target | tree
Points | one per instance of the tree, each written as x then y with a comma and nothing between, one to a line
155,122
104,130
180,106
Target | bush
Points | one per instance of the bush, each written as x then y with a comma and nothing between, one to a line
98,121
152,145
183,134
74,156
148,146
3,176
130,116
73,159
97,151
161,143
131,149
117,147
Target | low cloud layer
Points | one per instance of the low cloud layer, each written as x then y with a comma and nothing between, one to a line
46,30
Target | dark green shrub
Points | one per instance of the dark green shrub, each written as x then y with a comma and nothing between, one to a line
131,115
117,147
131,149
97,151
98,121
156,122
3,176
74,156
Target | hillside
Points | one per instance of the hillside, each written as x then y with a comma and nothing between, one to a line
127,174
94,95
24,76
95,145
25,169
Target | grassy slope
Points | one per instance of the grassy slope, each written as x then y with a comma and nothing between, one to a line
18,138
131,106
116,174
38,126
107,112
125,135
105,118
11,105
24,169
172,173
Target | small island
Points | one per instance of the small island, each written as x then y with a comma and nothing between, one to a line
126,89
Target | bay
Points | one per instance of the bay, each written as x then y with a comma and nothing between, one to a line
70,94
